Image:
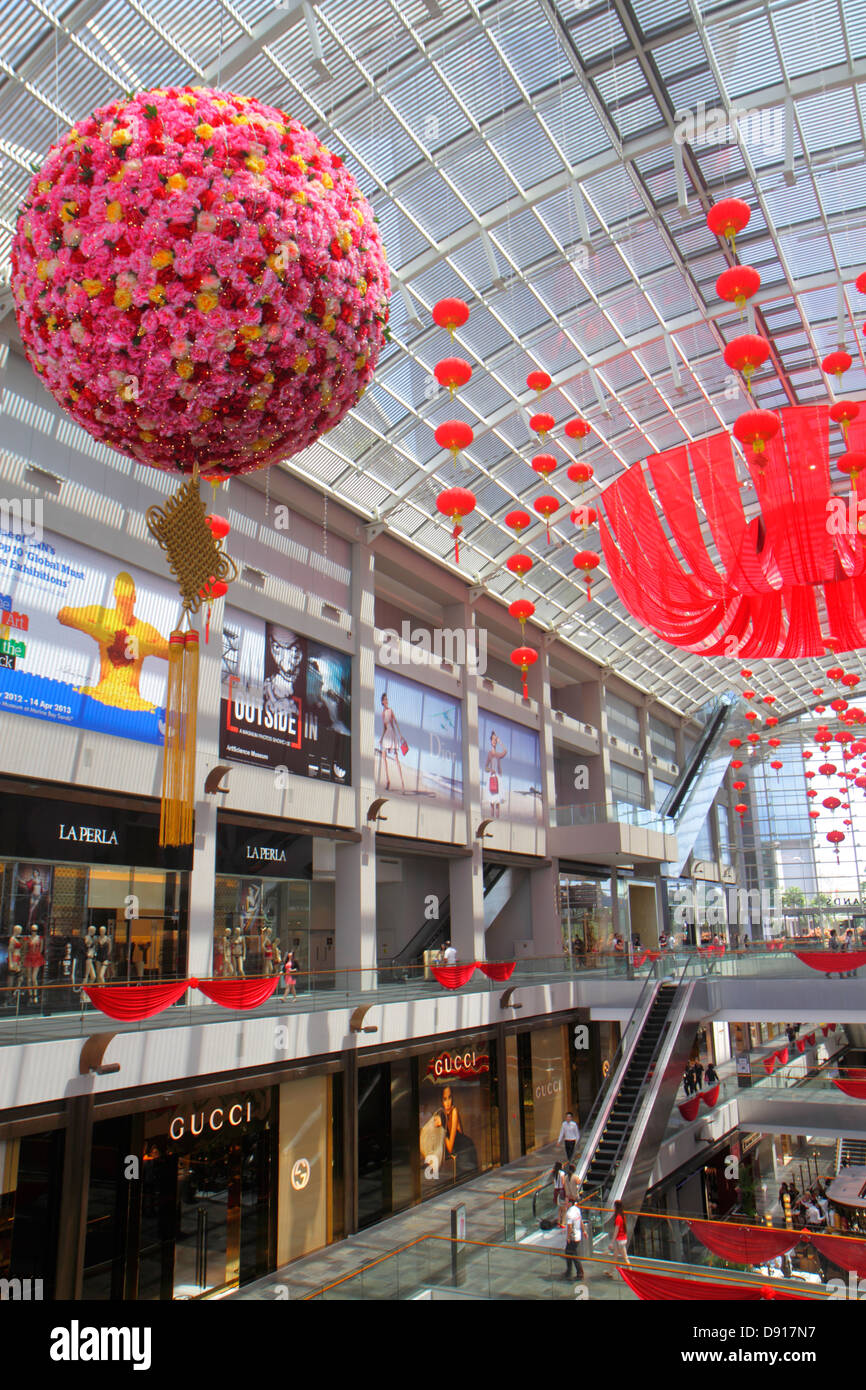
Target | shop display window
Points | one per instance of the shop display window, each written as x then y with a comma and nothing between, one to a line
586,915
257,921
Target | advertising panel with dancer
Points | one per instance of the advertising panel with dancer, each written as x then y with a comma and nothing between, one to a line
510,759
419,750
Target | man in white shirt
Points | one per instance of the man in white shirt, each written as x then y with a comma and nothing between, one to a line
450,955
813,1215
568,1135
573,1237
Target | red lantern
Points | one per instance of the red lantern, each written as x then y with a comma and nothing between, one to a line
738,284
538,381
751,714
852,464
835,363
735,742
746,354
519,564
579,472
452,372
832,803
772,721
454,435
807,754
736,762
776,764
218,526
741,809
587,560
749,694
214,588
546,506
544,464
818,690
521,609
584,516
738,786
835,673
810,792
813,815
754,738
728,217
746,675
450,314
836,837
827,769
810,773
860,283
850,680
819,709
542,424
843,412
774,742
524,657
455,503
578,429
839,705
769,699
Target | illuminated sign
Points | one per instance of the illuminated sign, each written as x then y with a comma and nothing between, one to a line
300,1174
214,1119
457,1064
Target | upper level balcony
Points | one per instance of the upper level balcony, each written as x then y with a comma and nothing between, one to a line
611,832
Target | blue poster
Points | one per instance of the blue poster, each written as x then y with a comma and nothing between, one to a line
419,740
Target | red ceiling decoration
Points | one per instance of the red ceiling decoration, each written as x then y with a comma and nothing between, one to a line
737,284
746,354
728,217
772,570
524,657
538,382
456,503
452,372
450,314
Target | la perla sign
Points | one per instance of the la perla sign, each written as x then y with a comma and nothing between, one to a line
88,834
215,1119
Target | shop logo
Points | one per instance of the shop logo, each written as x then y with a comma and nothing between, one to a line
458,1064
263,852
300,1174
214,1119
76,1343
89,834
548,1088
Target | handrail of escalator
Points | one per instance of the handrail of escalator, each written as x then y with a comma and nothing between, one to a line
678,1004
672,802
607,1093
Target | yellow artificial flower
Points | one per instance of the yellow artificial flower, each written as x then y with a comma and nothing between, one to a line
360,361
204,131
156,294
207,413
299,197
114,212
362,286
257,402
301,364
73,394
250,330
329,323
186,100
359,217
184,368
122,299
147,435
206,301
255,163
160,259
68,211
93,287
327,181
240,120
177,182
43,186
301,163
269,377
344,238
120,136
42,271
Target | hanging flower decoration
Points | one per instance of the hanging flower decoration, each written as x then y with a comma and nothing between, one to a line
836,363
519,564
547,506
456,503
737,284
199,282
842,413
450,314
755,428
728,217
578,429
579,473
452,372
538,382
524,657
453,435
542,424
545,464
518,521
584,516
586,561
521,609
836,837
746,354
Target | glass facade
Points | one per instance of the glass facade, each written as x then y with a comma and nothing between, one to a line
585,914
256,921
30,1209
662,739
623,720
627,785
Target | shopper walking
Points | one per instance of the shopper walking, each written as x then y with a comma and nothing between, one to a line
573,1237
568,1135
687,1081
698,1070
618,1246
711,1076
559,1193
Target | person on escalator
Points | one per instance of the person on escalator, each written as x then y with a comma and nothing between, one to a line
711,1076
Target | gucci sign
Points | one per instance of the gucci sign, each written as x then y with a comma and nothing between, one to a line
214,1119
458,1064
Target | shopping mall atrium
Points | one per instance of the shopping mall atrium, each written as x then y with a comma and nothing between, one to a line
433,605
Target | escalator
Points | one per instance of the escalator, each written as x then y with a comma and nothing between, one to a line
689,800
632,1111
436,932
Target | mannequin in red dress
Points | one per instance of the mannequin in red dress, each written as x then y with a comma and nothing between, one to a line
33,962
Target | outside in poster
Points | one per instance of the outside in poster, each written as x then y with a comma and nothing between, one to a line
286,700
419,740
510,770
83,638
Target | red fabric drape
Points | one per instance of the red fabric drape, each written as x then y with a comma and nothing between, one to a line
828,1028
782,1056
497,969
852,1073
844,1252
710,1097
769,1063
239,994
689,1108
832,962
453,976
131,1002
665,1287
744,1245
810,1039
854,1088
801,1044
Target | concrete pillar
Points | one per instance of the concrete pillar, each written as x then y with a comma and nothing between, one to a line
466,888
355,911
546,926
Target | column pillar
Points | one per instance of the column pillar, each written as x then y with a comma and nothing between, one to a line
466,888
544,898
355,910
75,1185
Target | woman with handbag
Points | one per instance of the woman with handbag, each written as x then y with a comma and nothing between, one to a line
391,744
493,771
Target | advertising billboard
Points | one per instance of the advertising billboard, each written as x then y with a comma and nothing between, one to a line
419,740
510,770
286,700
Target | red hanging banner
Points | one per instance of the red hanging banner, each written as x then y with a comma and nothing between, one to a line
128,1003
844,1252
711,1097
852,1087
500,970
662,1287
689,1108
238,994
453,976
744,1245
832,962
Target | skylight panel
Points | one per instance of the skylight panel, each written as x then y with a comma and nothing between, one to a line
480,179
434,205
525,148
810,36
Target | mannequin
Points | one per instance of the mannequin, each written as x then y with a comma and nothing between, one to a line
103,954
16,958
271,953
239,952
33,962
90,955
228,962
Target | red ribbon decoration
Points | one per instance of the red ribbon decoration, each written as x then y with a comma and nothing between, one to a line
832,962
744,1245
689,1108
842,1250
710,1097
453,976
853,1088
769,1063
663,1287
239,994
129,1003
500,970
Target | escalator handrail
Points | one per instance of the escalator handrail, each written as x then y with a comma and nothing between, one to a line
408,954
673,801
603,1103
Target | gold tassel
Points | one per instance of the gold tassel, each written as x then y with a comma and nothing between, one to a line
186,792
168,820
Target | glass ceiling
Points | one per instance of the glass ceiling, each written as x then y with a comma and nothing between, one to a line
524,156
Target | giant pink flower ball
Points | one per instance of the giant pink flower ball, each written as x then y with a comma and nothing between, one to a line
197,279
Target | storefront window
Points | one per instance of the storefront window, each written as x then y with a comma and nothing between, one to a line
30,1209
585,913
256,922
